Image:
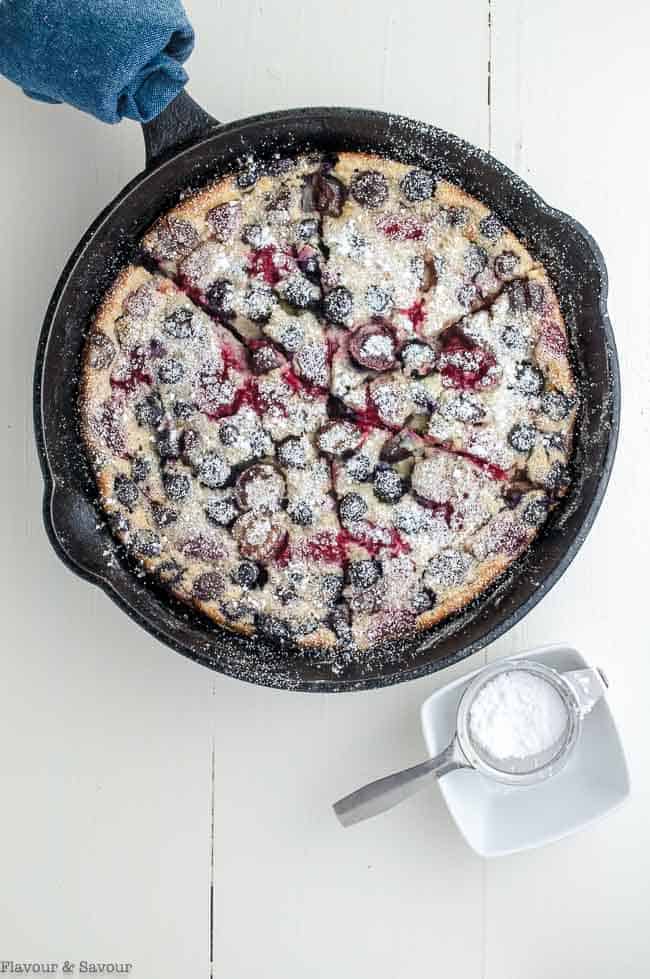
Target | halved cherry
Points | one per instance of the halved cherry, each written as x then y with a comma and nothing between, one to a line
339,438
260,535
260,487
373,346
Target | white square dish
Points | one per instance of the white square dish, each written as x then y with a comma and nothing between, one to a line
497,819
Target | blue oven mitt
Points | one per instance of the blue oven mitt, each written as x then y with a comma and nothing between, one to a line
112,58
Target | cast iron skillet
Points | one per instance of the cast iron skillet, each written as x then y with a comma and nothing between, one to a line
185,149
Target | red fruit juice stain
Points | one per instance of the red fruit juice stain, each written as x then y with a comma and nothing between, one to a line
445,510
369,419
271,263
465,365
300,386
415,313
402,229
135,374
489,468
231,360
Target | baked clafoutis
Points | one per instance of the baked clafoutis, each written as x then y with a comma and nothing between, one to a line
333,402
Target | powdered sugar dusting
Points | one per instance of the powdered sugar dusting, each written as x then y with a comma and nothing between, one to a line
324,408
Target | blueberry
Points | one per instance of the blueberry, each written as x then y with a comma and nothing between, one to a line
423,601
291,337
378,300
171,371
146,543
247,178
307,229
125,490
221,512
305,627
418,185
247,574
463,408
352,507
179,323
467,295
331,586
337,305
301,513
259,303
394,450
272,627
556,405
101,350
536,512
278,165
529,379
490,227
169,573
522,437
286,594
234,611
220,298
213,471
252,235
363,574
558,478
168,444
228,433
410,518
513,337
388,485
292,453
455,217
359,467
339,622
191,445
280,201
300,292
163,515
369,188
524,295
506,264
177,486
265,358
260,443
475,260
449,568
208,586
183,410
140,469
149,411
310,268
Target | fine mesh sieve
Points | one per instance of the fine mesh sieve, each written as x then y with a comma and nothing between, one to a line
529,768
578,691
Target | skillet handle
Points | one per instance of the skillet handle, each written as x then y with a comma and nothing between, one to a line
71,523
183,121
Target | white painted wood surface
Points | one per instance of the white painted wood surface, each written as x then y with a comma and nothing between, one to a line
109,742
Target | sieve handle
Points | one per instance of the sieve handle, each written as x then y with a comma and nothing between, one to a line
384,793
